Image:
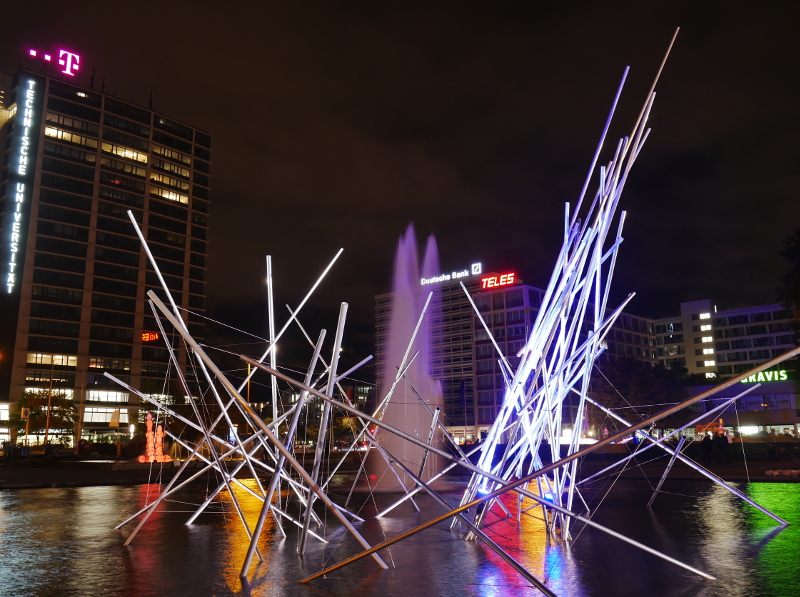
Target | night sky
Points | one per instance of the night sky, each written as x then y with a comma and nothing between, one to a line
335,124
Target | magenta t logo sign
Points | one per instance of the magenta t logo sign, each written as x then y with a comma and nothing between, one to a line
69,61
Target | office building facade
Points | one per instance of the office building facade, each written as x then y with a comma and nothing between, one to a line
75,275
715,343
464,358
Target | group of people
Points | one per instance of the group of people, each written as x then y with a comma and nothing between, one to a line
716,448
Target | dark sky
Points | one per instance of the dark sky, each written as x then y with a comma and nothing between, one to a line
335,124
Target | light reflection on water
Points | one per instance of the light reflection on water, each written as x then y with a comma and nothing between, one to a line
61,542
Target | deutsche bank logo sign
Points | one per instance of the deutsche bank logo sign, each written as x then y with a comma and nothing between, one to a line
476,269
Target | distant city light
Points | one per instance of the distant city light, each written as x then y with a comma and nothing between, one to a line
150,336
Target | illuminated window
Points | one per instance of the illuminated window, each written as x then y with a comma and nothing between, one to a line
44,376
170,195
116,364
707,338
4,412
171,154
73,123
68,137
106,396
65,392
710,375
705,315
709,363
103,415
63,360
705,328
708,351
125,152
169,181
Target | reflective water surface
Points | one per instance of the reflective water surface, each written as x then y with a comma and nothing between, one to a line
61,542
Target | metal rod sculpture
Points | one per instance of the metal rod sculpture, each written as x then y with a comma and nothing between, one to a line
555,363
565,340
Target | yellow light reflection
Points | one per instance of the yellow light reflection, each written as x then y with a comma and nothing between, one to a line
235,541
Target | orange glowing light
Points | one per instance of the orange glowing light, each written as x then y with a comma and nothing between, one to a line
150,336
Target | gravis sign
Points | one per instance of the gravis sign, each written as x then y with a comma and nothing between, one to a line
766,376
25,118
475,270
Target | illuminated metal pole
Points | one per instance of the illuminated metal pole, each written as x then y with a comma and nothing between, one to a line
282,459
319,452
273,348
286,325
504,485
677,451
518,483
231,389
691,463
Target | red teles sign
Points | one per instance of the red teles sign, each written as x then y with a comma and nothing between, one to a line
494,281
150,336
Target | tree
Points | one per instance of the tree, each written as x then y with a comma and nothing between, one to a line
635,390
63,413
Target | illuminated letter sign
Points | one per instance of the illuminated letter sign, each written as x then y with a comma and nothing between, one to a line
69,61
475,269
29,94
495,281
766,376
150,336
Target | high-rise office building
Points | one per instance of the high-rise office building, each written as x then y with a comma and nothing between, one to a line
463,356
724,343
74,273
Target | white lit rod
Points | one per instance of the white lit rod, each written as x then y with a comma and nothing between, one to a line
324,421
296,487
689,462
505,486
265,428
405,357
205,432
286,325
182,326
659,442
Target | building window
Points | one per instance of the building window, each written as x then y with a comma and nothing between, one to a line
63,360
171,154
111,364
103,415
68,137
106,396
705,315
707,339
124,152
170,195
